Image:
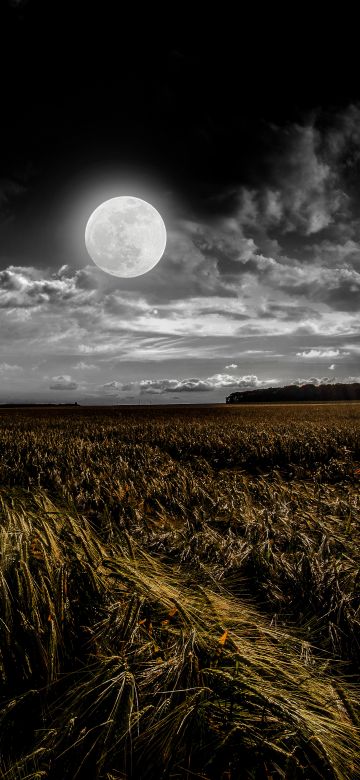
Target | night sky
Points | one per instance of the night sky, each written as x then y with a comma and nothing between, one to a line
244,132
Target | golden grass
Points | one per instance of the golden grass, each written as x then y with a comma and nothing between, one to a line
166,613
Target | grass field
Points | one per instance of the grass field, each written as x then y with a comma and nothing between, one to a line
180,593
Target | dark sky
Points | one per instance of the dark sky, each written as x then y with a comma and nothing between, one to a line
186,93
217,115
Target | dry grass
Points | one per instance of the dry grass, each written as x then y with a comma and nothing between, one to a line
185,610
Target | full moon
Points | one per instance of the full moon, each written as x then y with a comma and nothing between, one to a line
125,236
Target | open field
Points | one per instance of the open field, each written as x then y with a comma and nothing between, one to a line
180,592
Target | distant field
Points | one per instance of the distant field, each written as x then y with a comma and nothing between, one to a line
180,592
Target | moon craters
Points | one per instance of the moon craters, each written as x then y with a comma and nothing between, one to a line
125,236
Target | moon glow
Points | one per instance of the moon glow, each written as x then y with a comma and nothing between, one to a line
125,236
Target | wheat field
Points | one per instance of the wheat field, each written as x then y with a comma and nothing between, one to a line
180,593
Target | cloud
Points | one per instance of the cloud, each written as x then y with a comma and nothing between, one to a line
314,354
343,139
63,382
160,386
303,193
83,366
8,368
112,388
308,190
25,287
337,287
353,348
75,312
190,385
344,254
223,241
326,380
343,291
228,380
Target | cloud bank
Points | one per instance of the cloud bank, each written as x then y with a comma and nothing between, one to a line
191,385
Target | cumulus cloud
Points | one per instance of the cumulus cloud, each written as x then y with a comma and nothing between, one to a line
228,380
190,385
160,386
314,354
25,286
326,380
63,382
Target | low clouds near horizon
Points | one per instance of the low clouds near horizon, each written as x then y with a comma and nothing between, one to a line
191,385
63,382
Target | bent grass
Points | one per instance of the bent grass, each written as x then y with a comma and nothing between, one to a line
148,614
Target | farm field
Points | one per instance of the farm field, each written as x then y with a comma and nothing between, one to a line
180,592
